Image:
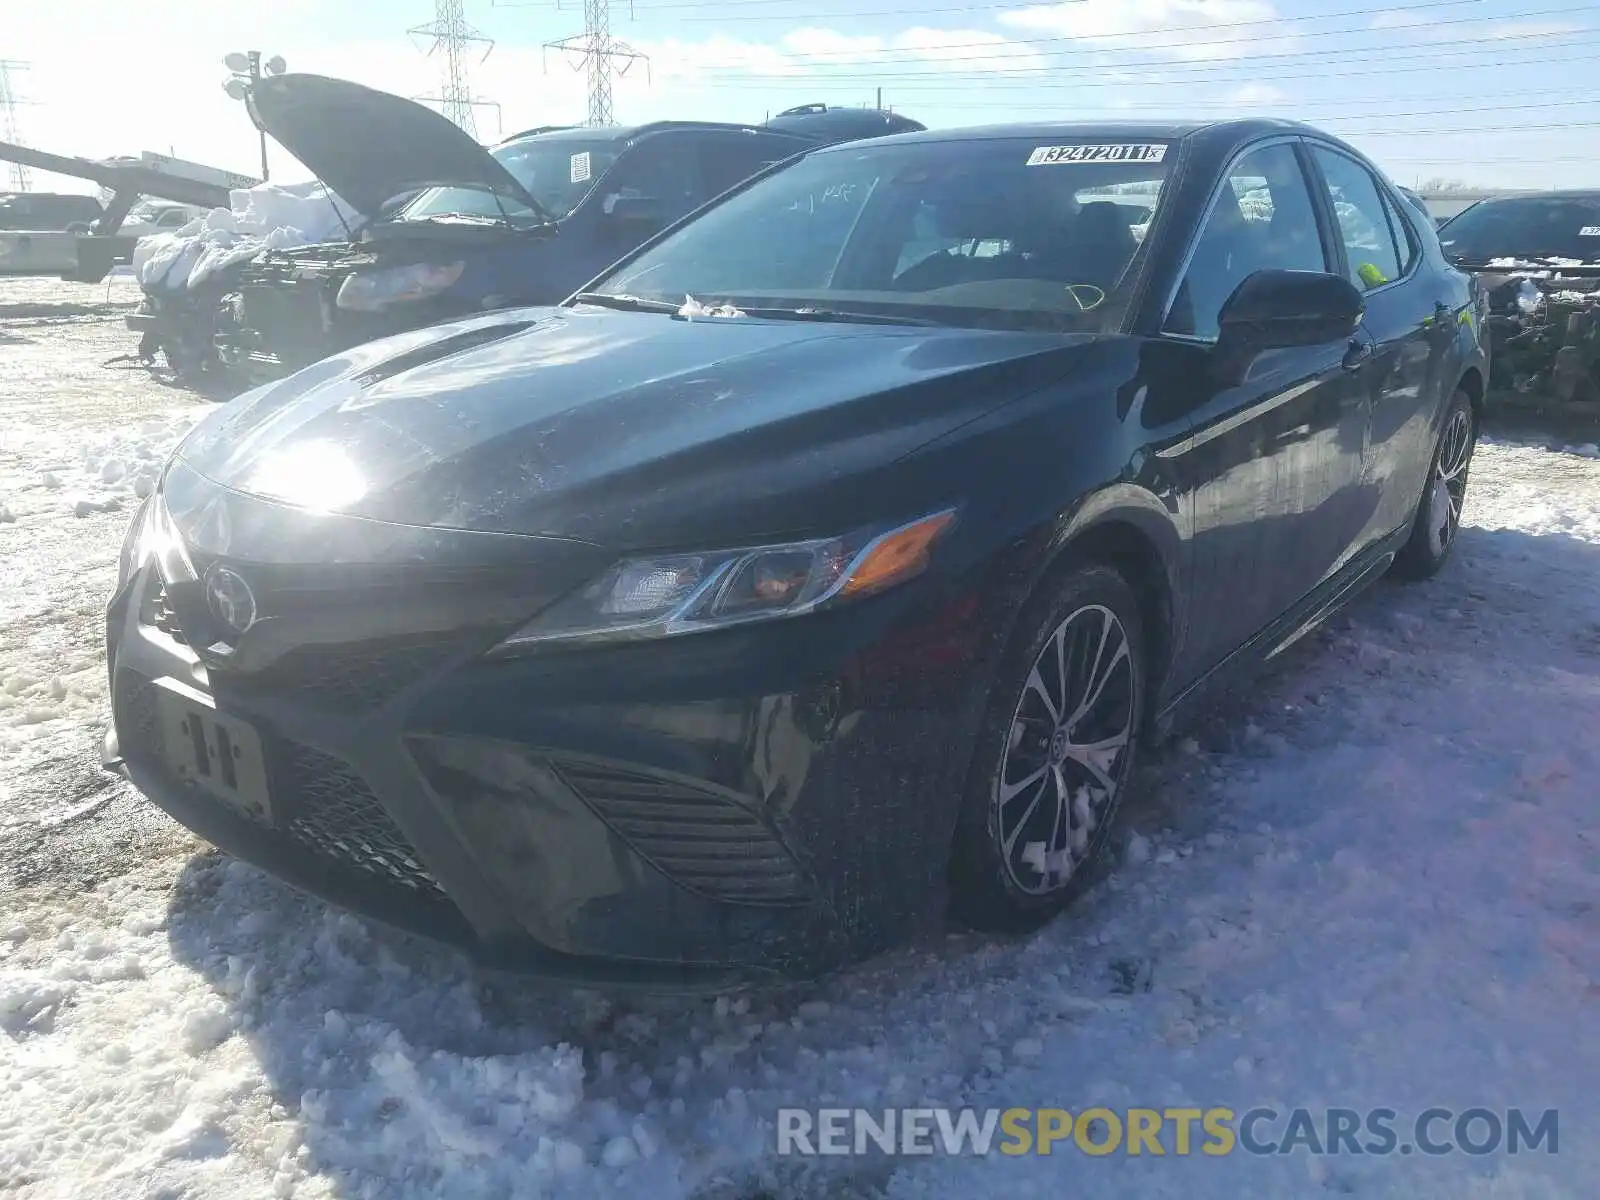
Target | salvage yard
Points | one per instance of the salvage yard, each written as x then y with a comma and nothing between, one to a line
1374,882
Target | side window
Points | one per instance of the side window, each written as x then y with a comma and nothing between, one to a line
1405,236
1262,219
1369,243
727,159
662,167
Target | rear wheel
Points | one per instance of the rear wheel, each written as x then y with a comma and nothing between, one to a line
1438,519
1055,753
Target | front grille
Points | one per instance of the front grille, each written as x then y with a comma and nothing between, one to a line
352,677
289,319
336,815
707,842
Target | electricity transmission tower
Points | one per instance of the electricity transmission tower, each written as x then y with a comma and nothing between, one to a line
451,33
10,127
602,56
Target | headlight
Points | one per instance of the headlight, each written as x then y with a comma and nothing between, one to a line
131,556
379,289
152,536
659,596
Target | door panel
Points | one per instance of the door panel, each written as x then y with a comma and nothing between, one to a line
1409,342
1274,461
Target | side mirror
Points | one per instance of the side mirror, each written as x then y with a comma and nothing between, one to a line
1274,310
622,207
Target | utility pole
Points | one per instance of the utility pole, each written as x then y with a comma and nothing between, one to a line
451,33
602,56
246,69
10,125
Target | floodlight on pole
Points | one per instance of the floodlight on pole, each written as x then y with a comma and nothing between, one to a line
247,69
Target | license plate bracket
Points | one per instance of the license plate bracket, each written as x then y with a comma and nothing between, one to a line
218,754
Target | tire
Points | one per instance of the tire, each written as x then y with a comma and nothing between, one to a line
1438,519
1014,865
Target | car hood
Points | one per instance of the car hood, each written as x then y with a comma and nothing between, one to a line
371,146
624,429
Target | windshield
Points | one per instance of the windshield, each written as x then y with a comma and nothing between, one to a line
1005,233
557,172
1526,227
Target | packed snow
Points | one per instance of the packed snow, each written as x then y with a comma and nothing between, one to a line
268,216
1372,882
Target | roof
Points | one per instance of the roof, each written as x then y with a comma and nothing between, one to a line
623,133
1047,131
1557,194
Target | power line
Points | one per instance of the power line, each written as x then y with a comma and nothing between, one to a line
1199,72
721,13
1118,41
1226,111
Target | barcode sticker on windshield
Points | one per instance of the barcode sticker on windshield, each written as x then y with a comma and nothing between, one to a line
580,167
1125,152
1589,231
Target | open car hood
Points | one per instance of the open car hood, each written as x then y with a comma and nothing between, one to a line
371,146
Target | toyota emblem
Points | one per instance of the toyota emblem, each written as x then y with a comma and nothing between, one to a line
230,599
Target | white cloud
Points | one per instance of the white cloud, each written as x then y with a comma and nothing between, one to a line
1426,28
1534,29
1257,96
810,49
1400,18
1228,28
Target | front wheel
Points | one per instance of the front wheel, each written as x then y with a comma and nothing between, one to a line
1438,519
1055,753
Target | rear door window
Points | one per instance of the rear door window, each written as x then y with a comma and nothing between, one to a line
663,167
1405,237
727,159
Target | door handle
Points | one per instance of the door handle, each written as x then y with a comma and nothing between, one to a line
1358,355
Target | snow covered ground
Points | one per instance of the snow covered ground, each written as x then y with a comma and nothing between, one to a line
1374,882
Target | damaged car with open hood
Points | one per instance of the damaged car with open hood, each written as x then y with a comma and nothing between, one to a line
1537,260
525,222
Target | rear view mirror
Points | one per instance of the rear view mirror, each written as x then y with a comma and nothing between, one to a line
622,207
1274,310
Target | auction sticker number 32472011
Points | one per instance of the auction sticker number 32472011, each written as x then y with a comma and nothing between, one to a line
1123,152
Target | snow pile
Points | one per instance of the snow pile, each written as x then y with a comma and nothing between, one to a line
42,698
268,216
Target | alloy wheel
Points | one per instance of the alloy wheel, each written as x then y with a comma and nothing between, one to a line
1066,750
1448,488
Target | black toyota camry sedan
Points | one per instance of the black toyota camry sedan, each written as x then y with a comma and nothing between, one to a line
815,571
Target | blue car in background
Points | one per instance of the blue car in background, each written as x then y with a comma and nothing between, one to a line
526,222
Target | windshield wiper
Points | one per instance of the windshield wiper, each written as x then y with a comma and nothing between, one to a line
809,313
626,303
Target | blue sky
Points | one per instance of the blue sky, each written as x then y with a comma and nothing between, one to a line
1498,92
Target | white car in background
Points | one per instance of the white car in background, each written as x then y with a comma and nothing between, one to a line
158,216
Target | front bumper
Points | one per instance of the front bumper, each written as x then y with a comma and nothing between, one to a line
764,804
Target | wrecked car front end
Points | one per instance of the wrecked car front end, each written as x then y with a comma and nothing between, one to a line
1544,327
1536,258
289,308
